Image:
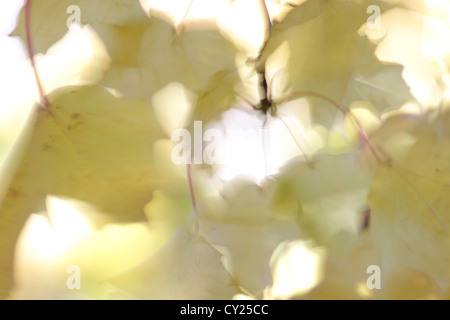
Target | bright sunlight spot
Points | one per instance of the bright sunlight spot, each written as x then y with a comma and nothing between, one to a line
45,238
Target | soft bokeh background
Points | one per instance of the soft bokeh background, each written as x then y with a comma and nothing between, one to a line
124,260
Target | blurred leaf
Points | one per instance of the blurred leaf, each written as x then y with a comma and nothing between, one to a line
419,42
327,194
79,58
410,222
88,146
186,267
50,243
190,57
328,56
116,21
200,58
217,97
297,267
247,231
345,277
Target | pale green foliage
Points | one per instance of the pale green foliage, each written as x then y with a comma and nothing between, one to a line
328,55
199,58
327,208
91,182
411,221
186,267
241,224
190,57
115,21
75,150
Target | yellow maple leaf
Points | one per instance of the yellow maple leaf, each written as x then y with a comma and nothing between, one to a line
243,226
328,56
327,194
410,222
186,267
117,22
88,146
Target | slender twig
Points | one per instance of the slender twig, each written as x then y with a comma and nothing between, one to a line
264,148
43,98
181,25
264,103
192,193
267,21
180,29
280,117
246,100
362,133
188,9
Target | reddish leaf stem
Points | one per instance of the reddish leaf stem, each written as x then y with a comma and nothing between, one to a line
362,133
